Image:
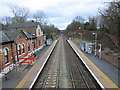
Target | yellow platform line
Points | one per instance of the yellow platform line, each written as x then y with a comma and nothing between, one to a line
102,73
22,82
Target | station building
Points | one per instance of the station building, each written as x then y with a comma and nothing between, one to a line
17,41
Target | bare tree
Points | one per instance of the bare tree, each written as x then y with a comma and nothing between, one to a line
79,19
7,20
40,17
50,30
20,13
93,23
75,25
111,17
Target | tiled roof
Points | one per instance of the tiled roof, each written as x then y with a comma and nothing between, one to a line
4,37
29,35
23,25
11,35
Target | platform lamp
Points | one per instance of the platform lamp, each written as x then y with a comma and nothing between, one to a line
95,42
81,36
100,50
80,39
74,35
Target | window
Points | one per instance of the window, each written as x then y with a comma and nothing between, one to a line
6,55
19,50
28,47
23,48
39,31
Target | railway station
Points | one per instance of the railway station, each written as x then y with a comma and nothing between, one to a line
64,65
69,48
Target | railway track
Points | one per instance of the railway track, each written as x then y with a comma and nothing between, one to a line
50,74
81,78
65,70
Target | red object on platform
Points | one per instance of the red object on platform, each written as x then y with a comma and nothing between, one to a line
29,59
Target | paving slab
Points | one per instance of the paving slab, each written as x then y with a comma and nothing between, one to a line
15,76
103,80
30,78
110,70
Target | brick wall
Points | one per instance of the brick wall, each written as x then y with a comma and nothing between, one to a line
13,48
4,64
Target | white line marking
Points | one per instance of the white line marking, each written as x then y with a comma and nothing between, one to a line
87,67
42,65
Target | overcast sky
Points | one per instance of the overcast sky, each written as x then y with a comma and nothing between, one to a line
59,12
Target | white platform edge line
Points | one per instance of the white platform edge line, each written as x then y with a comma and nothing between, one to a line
42,66
88,67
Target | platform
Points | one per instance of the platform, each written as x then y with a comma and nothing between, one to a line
30,78
99,76
20,71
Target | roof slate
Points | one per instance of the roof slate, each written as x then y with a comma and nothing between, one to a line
23,25
29,35
4,37
11,35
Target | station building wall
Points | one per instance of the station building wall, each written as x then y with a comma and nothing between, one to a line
6,54
20,47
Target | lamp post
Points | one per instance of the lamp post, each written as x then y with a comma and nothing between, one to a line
81,37
100,50
74,35
95,42
80,40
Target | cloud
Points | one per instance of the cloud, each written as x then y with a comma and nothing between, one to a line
63,13
58,12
